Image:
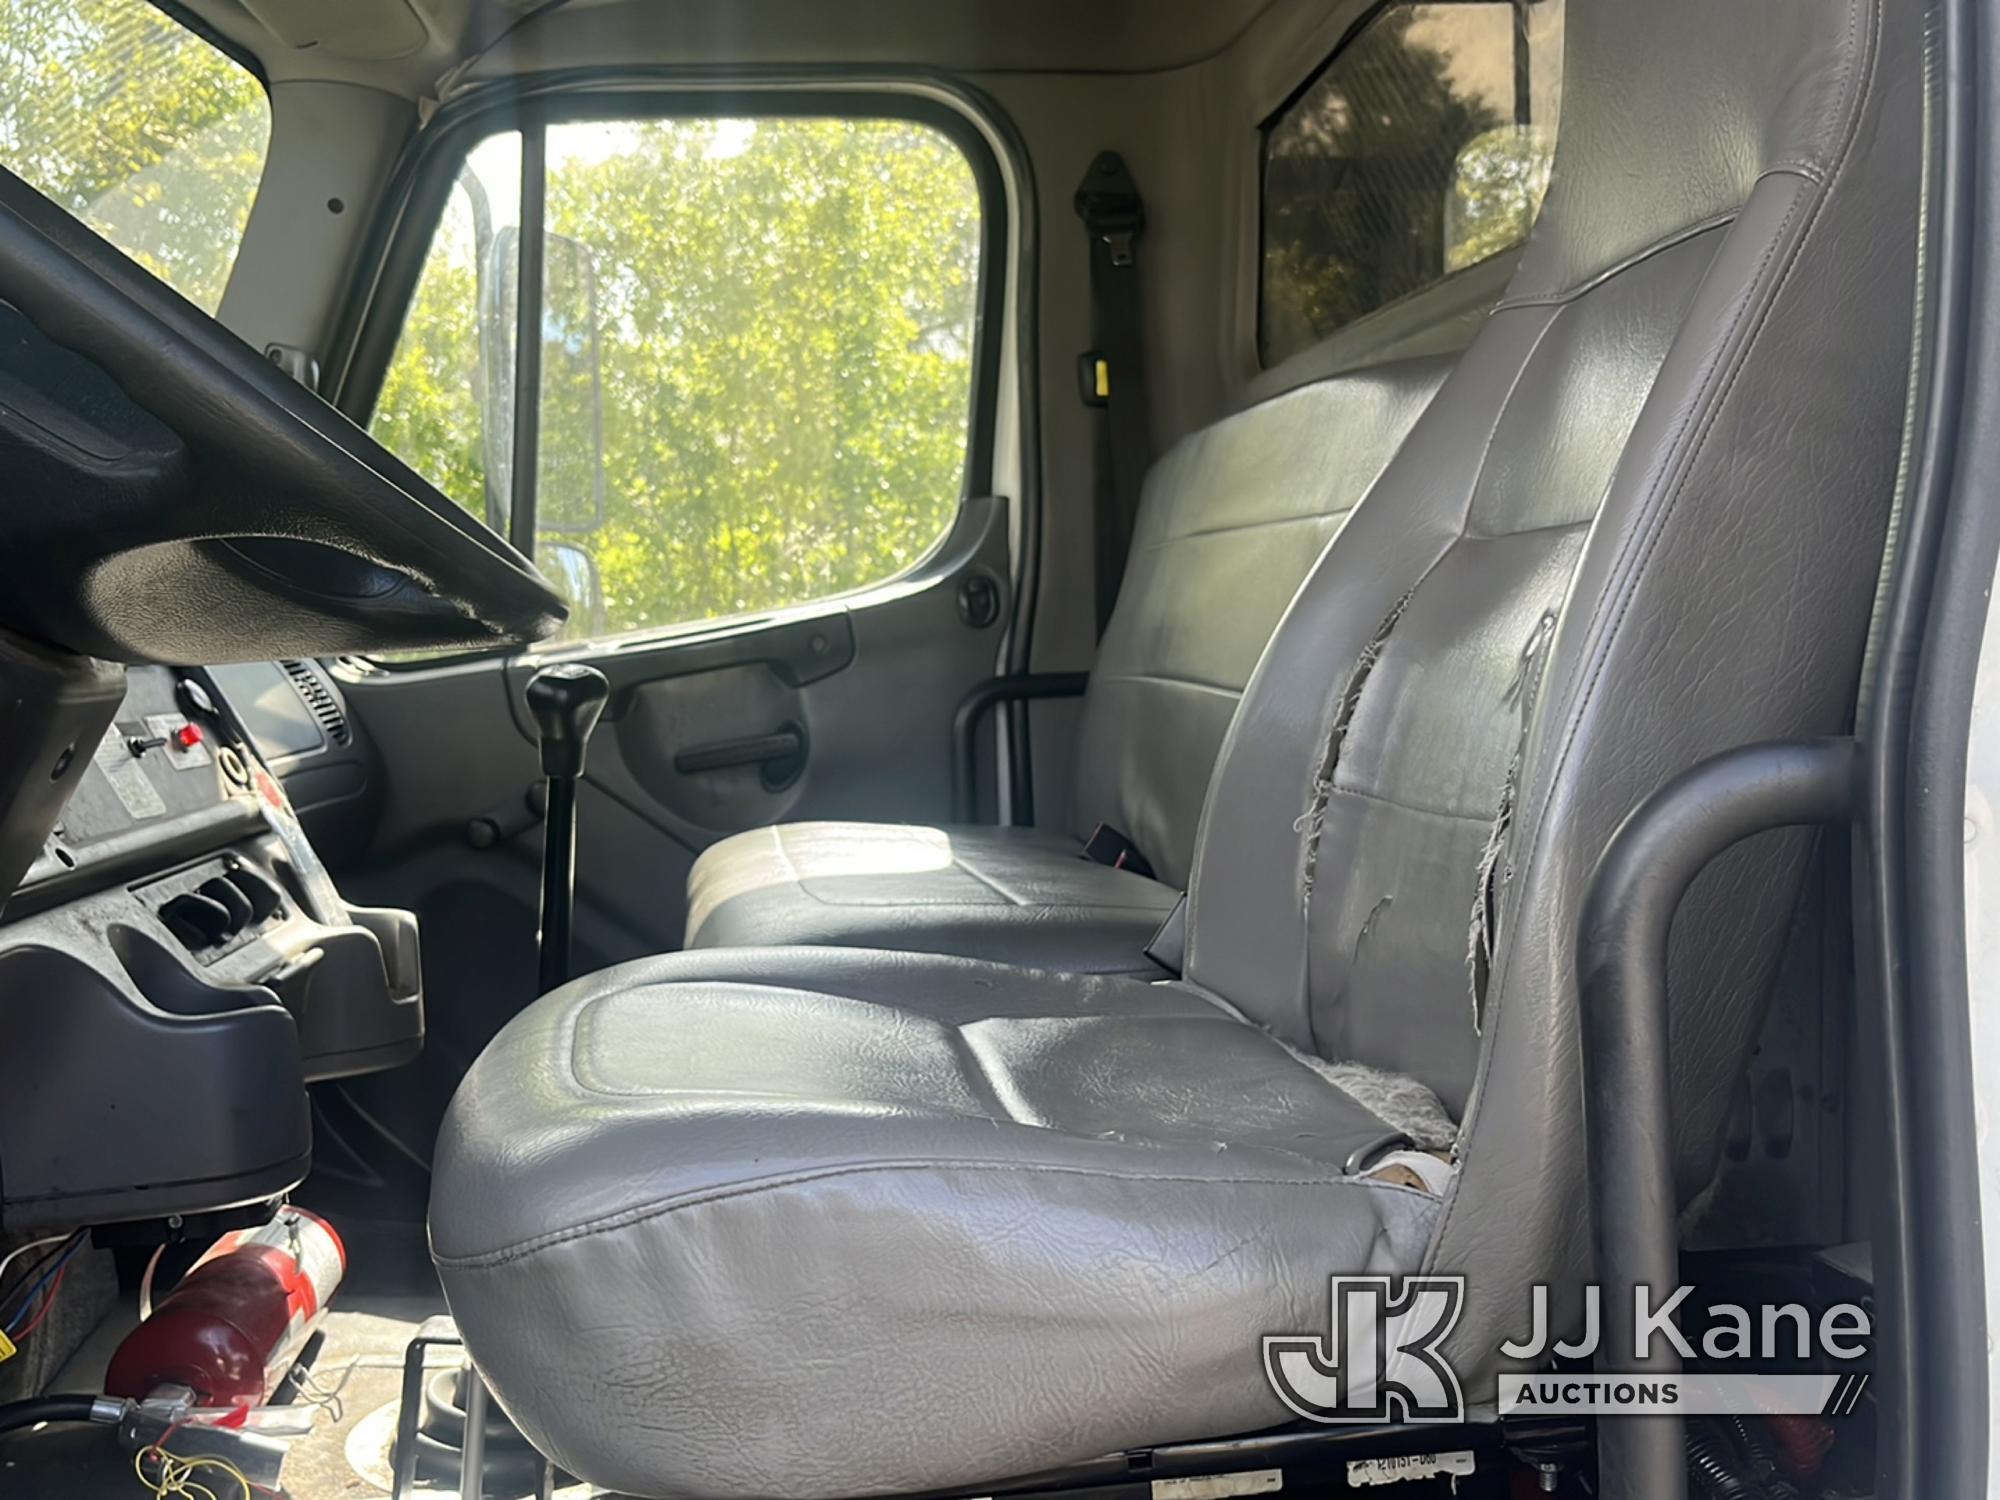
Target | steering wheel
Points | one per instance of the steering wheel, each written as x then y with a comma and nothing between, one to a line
174,497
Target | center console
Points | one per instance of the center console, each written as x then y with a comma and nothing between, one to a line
175,962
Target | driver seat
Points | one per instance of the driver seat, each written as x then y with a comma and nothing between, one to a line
833,1222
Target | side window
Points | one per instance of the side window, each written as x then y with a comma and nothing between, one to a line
136,125
756,358
1421,148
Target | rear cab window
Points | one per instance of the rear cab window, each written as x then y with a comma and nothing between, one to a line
146,131
1421,148
756,382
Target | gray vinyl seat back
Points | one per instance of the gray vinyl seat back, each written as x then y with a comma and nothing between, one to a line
1232,519
1640,524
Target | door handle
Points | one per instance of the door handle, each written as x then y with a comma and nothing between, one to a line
781,753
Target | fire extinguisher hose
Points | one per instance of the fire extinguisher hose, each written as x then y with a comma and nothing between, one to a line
15,1415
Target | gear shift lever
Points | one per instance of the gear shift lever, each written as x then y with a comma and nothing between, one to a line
566,701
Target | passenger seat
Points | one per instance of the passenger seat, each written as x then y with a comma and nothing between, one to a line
1232,520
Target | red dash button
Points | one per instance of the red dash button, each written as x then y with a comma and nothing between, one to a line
188,736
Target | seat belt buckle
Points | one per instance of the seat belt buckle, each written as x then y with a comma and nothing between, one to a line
1107,846
1093,378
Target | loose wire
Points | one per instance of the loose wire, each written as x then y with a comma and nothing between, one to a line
50,1275
47,1302
176,1479
20,1250
146,1283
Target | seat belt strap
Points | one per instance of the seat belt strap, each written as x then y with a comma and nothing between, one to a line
1112,374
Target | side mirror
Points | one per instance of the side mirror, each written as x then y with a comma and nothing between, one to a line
1497,186
574,574
569,489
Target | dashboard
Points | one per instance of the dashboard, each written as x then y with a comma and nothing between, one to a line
176,964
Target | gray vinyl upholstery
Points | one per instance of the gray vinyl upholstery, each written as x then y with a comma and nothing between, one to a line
965,889
774,1222
1232,519
1040,1163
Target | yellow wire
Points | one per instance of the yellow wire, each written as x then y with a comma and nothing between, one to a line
176,1481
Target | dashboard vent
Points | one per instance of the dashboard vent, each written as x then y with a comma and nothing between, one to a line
320,699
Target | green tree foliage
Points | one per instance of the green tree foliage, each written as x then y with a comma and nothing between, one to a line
766,331
136,126
429,413
1498,188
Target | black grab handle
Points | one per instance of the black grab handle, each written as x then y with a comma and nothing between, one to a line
1622,978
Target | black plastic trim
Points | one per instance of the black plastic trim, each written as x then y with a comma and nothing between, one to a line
1020,687
1306,1453
1932,1334
528,293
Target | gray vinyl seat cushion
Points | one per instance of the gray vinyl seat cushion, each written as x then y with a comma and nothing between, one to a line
944,1186
1231,521
824,1223
979,891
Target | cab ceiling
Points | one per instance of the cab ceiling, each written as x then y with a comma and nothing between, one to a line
407,46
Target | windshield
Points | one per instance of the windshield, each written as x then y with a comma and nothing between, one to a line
150,134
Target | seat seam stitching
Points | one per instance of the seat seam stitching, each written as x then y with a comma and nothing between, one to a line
1506,536
1005,895
1167,679
630,1218
1632,262
1240,527
1404,804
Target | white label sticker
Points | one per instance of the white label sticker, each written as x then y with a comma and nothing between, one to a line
1220,1486
128,778
1399,1467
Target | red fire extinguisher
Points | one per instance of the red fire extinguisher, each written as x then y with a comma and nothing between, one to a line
239,1318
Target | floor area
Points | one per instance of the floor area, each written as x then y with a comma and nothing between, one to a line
352,1392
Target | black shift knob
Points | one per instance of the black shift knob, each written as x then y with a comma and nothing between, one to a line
566,701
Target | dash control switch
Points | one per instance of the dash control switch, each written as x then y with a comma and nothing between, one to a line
185,744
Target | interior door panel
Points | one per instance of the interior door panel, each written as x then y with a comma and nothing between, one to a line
839,711
836,710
